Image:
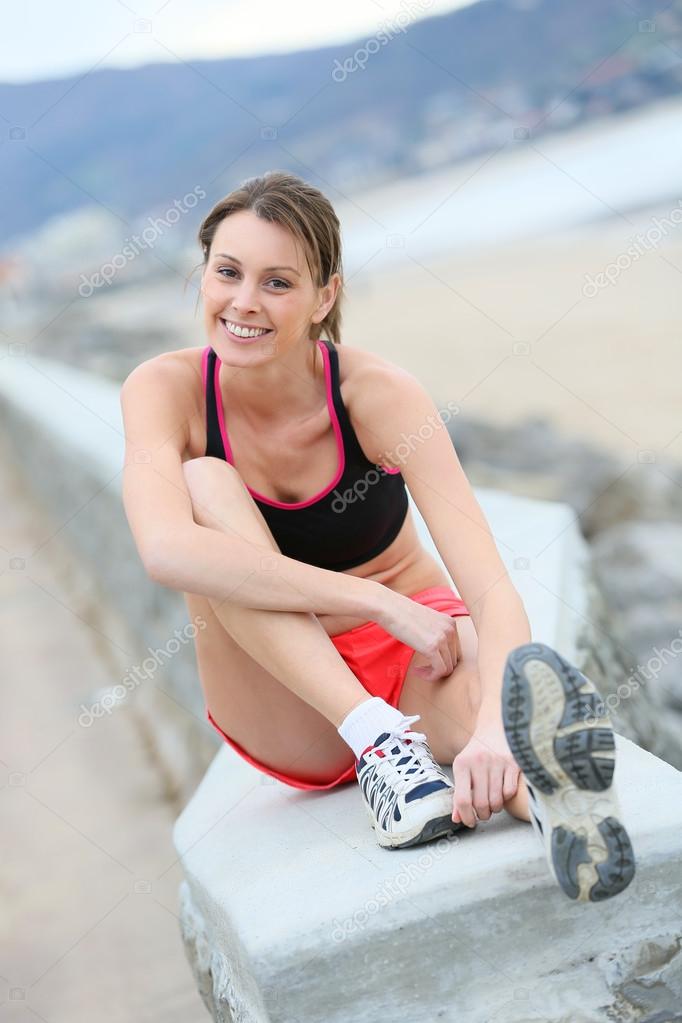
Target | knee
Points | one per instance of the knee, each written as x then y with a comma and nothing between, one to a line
215,485
212,484
203,474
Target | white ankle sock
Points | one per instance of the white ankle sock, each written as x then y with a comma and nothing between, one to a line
367,721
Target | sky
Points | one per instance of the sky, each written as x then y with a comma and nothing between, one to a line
42,39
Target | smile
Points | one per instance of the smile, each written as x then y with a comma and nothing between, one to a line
235,330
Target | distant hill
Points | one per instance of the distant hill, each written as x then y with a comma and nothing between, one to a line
445,88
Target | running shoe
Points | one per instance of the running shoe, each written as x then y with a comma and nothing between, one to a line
561,737
409,798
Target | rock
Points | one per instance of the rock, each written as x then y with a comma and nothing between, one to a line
535,459
640,562
638,566
646,976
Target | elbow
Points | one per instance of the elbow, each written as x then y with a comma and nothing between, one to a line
167,559
155,566
157,563
155,572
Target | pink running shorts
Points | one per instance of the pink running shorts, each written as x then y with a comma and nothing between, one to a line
379,661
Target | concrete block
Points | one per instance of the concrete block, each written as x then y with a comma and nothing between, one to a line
292,912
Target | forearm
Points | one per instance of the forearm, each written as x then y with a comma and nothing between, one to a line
215,564
503,625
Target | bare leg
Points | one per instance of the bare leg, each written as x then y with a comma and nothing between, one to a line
449,706
291,645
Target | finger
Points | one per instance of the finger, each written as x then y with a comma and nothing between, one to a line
451,645
512,773
428,671
446,654
495,785
481,783
456,646
459,644
462,806
437,666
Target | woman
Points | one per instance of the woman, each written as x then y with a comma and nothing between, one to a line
330,630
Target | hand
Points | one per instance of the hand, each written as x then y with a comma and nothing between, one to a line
429,632
485,774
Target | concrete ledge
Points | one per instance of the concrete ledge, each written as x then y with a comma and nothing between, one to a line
291,911
69,443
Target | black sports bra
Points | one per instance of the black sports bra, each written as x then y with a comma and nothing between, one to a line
349,522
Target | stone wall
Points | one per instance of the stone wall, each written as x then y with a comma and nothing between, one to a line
69,444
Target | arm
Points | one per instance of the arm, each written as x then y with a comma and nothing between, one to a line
180,554
391,404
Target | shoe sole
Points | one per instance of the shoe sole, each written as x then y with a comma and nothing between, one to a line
438,827
562,739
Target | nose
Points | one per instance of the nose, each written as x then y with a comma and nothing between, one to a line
244,297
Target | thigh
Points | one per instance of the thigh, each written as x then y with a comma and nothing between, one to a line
257,711
449,705
250,705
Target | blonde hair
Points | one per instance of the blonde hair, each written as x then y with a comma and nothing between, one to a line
286,199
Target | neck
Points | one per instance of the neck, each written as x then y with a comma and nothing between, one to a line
282,389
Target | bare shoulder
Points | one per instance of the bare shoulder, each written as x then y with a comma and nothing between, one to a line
373,388
164,392
360,370
174,370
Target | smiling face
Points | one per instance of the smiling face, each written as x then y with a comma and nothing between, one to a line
257,276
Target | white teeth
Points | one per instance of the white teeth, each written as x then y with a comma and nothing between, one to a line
243,331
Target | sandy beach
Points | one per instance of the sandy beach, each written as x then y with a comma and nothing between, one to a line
490,289
516,331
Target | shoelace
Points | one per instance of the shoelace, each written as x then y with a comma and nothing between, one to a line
537,812
426,770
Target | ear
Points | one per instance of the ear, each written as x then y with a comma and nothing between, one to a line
328,296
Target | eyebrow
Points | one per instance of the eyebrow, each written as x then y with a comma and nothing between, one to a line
226,255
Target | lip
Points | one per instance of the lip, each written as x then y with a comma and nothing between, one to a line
242,340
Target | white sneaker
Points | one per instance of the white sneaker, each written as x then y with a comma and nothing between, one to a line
561,737
409,798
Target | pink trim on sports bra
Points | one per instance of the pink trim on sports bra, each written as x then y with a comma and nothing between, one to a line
204,364
332,416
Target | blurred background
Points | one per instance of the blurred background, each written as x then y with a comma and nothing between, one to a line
508,174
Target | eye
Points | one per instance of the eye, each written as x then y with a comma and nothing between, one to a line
278,280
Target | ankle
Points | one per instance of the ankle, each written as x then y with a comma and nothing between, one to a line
368,719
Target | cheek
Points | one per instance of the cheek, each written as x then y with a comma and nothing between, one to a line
289,305
212,294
